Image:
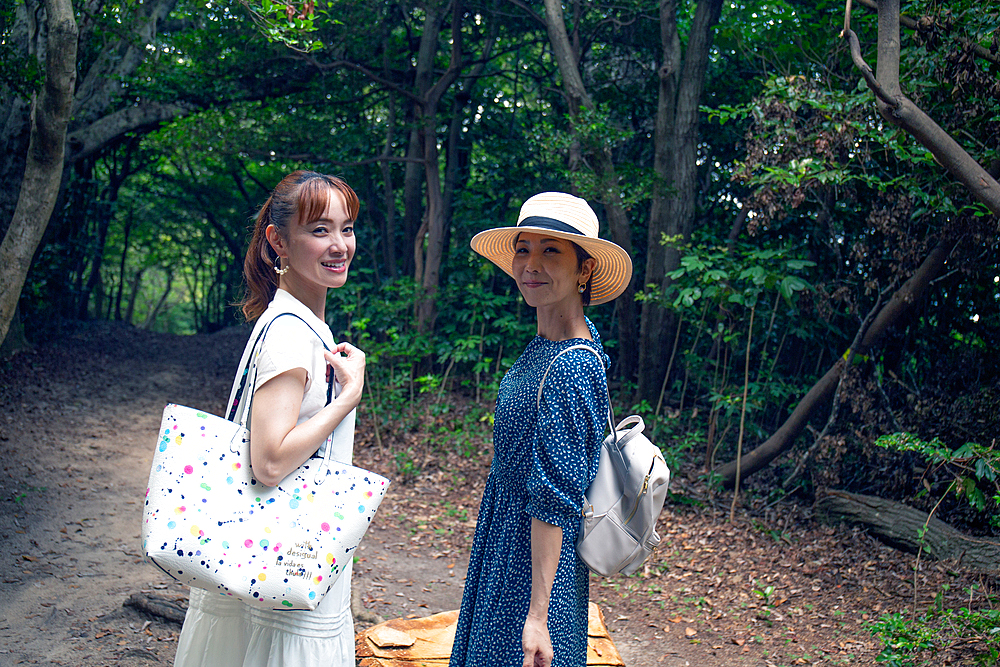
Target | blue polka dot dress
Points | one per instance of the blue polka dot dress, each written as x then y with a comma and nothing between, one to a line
543,460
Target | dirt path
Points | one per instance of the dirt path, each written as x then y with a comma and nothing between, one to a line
75,449
76,434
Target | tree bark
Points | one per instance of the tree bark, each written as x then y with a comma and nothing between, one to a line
134,295
23,39
389,192
681,81
435,217
821,392
155,312
93,137
621,230
118,58
44,168
121,265
900,526
899,110
413,201
157,605
915,24
30,173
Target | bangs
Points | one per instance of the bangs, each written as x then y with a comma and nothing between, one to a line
315,193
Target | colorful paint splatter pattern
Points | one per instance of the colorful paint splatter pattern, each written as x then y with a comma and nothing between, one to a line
209,524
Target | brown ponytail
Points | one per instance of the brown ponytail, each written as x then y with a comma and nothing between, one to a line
301,196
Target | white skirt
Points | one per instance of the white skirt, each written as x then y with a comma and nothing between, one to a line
222,631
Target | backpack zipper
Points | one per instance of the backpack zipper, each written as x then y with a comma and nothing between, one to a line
645,486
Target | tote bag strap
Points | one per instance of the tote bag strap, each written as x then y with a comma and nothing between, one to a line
252,360
611,415
244,418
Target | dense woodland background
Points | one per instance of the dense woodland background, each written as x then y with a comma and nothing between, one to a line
808,276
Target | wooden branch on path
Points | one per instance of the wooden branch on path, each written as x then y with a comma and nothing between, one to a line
157,605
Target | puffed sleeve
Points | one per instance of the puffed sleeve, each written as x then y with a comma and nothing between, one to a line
288,344
568,436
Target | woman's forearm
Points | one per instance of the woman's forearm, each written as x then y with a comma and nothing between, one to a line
277,444
546,543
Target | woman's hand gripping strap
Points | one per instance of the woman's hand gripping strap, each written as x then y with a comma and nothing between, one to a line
244,416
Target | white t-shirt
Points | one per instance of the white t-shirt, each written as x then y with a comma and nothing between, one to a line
289,344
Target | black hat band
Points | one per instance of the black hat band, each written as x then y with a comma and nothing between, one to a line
549,223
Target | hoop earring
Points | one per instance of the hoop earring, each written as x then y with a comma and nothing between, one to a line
581,288
277,263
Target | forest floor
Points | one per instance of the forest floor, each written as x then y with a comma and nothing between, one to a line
77,425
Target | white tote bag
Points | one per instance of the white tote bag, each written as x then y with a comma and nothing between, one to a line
210,524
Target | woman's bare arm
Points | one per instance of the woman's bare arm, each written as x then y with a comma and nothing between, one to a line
546,544
277,445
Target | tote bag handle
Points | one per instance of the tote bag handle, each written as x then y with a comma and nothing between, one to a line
244,417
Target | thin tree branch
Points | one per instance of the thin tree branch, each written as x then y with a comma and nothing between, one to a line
322,159
743,415
347,64
899,110
866,70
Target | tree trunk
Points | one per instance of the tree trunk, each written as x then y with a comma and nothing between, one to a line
435,219
22,39
821,392
389,192
900,526
681,80
134,295
121,266
625,306
413,201
609,191
97,258
44,168
15,340
155,312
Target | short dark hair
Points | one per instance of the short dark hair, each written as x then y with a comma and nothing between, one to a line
581,256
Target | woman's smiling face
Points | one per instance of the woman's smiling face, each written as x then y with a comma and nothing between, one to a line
318,253
547,270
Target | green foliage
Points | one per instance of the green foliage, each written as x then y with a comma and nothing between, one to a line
19,71
291,25
739,275
973,470
406,467
842,205
678,441
763,591
915,640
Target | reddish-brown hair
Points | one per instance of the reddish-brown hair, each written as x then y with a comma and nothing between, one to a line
301,197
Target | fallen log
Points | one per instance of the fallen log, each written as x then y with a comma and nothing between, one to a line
900,526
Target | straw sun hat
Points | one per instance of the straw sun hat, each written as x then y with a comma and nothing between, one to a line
563,216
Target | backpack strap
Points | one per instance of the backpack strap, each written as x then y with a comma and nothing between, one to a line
611,415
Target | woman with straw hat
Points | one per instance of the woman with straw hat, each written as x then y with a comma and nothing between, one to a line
526,594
